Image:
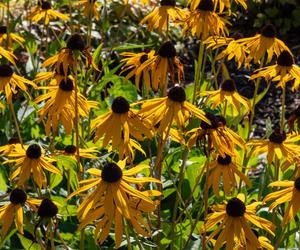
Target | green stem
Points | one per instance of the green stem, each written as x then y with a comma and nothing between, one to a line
129,247
198,69
81,243
282,121
178,194
16,123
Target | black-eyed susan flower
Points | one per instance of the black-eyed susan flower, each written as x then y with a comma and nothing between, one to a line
173,108
278,144
13,210
220,4
290,193
60,105
235,218
30,160
228,97
9,147
132,62
160,17
9,81
233,50
161,64
90,8
88,153
43,11
8,55
263,44
263,243
221,138
225,170
119,124
12,37
113,198
65,58
55,76
283,71
204,22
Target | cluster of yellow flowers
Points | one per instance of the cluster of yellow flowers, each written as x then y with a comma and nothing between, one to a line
117,194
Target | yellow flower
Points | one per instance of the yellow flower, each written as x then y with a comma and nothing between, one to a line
263,243
235,218
290,194
90,8
228,97
133,62
30,159
204,22
12,37
221,4
44,11
60,106
7,55
227,168
221,138
88,153
119,124
161,64
13,211
159,18
55,76
7,149
278,145
65,58
233,49
260,44
113,198
9,81
162,112
283,71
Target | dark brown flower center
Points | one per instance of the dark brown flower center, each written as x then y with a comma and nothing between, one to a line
167,50
228,85
235,207
70,149
76,43
6,70
47,209
168,3
143,58
268,31
13,140
34,151
120,105
18,196
216,121
224,161
66,85
206,5
285,59
111,173
277,136
46,5
177,94
297,183
3,29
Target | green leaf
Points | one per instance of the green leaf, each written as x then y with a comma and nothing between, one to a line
123,87
28,244
3,186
